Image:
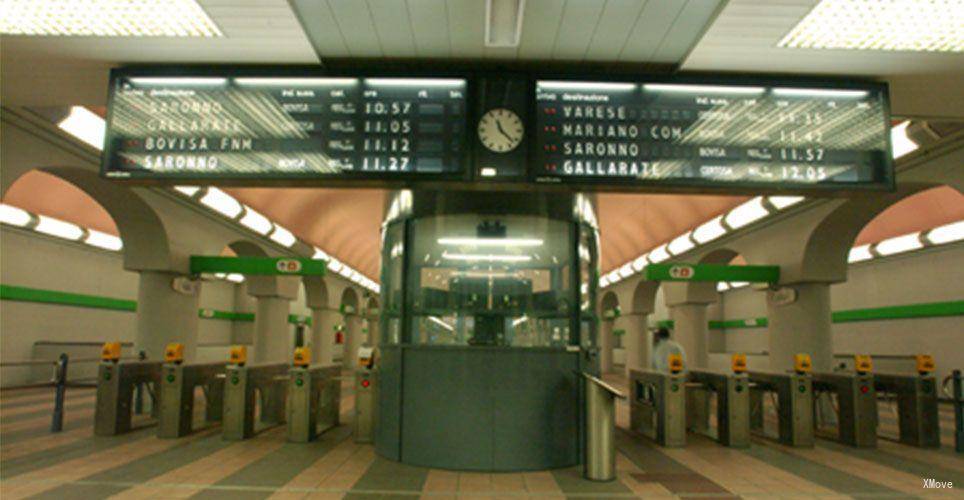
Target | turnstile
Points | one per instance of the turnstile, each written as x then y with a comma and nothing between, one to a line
116,384
365,397
732,406
918,419
657,406
856,406
794,394
178,384
314,401
244,387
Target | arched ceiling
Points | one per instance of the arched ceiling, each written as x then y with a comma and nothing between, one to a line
45,194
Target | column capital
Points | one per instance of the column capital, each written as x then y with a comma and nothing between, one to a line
282,287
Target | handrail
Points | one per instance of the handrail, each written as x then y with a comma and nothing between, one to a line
612,390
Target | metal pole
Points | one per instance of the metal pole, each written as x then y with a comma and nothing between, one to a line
139,390
958,413
600,433
57,424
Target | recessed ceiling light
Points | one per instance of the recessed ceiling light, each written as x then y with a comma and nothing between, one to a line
503,22
85,125
155,18
906,25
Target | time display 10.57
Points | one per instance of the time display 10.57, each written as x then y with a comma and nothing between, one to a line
711,135
253,127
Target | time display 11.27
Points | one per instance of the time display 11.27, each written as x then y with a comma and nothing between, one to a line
711,135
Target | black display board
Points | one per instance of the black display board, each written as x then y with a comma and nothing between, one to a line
285,127
712,136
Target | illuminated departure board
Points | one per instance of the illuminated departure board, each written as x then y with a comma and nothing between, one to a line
711,136
284,127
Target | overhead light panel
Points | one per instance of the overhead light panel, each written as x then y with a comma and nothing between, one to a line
345,272
221,202
103,240
503,22
900,143
614,277
85,125
899,244
781,202
739,284
947,233
334,265
106,18
626,271
659,254
891,25
826,93
709,230
14,216
180,81
256,222
188,191
282,236
491,242
703,89
681,244
319,254
235,278
640,263
722,286
603,282
859,254
486,258
747,213
594,86
59,228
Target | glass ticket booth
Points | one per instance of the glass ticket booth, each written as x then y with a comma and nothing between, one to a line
487,319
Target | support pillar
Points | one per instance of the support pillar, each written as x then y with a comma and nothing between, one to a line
272,333
323,321
639,342
165,315
802,325
353,339
692,332
606,346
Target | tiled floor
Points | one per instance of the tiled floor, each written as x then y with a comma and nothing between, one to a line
74,464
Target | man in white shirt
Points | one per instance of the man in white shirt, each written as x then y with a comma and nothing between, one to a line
663,346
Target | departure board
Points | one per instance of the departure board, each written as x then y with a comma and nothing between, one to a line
284,127
711,136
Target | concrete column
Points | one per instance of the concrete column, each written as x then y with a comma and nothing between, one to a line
606,345
272,333
638,342
323,321
801,325
691,331
165,315
353,339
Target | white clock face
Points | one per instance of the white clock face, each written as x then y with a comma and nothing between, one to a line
500,130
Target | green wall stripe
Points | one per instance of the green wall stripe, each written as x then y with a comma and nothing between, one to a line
41,296
24,294
926,310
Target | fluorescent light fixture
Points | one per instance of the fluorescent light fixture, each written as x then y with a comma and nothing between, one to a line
900,143
747,213
85,125
354,276
859,254
486,258
626,271
14,216
904,25
235,277
377,288
103,240
947,233
722,286
828,93
781,202
282,236
899,244
58,228
345,272
488,172
709,230
179,81
221,202
599,86
441,323
614,277
106,18
492,242
703,89
519,321
188,191
334,265
319,254
640,263
739,284
503,22
255,221
295,82
415,82
603,282
681,244
659,254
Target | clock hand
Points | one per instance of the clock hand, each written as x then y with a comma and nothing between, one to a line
498,125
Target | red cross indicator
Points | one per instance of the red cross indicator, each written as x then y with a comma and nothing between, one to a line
288,266
681,272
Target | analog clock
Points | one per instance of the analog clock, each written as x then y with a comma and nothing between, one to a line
500,130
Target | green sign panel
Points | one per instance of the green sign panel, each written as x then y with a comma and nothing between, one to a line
295,266
712,272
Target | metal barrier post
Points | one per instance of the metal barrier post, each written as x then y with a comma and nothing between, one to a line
57,424
958,413
600,429
139,391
